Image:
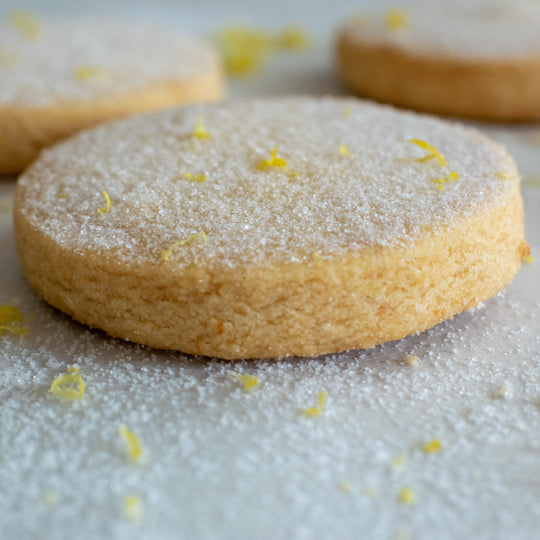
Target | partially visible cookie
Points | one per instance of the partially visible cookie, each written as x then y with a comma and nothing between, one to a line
57,77
477,59
293,226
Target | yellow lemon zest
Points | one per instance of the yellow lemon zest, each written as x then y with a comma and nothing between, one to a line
107,206
243,49
346,112
346,487
411,360
133,507
432,447
199,130
448,178
396,19
167,253
506,176
528,259
134,447
319,409
407,495
249,381
195,177
85,73
398,461
316,257
50,498
12,319
274,161
292,38
68,386
26,23
344,152
432,152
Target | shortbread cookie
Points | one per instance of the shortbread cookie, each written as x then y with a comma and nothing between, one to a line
474,59
57,77
294,226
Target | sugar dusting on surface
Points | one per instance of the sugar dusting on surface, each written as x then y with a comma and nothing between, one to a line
84,60
479,29
320,202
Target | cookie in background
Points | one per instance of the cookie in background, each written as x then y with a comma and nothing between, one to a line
477,60
60,76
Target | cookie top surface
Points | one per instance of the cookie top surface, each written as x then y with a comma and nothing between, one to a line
44,62
482,29
344,177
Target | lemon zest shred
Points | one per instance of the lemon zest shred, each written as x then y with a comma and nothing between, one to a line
195,177
396,19
133,507
448,178
407,495
506,176
432,152
274,161
12,319
107,206
199,130
248,381
411,360
50,498
346,487
319,409
26,23
346,112
528,259
432,447
69,386
316,257
244,49
167,253
292,38
86,73
134,447
345,152
399,461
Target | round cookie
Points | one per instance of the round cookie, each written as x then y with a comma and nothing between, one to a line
476,59
58,77
292,226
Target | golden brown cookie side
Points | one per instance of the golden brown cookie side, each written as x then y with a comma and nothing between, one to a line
344,302
492,89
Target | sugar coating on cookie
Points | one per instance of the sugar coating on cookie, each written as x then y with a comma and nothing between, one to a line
82,60
312,199
461,29
262,237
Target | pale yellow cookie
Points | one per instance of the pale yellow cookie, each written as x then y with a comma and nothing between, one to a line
57,77
476,59
293,226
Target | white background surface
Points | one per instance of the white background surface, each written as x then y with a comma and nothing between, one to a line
221,463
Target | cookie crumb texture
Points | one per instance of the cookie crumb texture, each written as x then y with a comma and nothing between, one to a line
476,59
395,254
76,74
